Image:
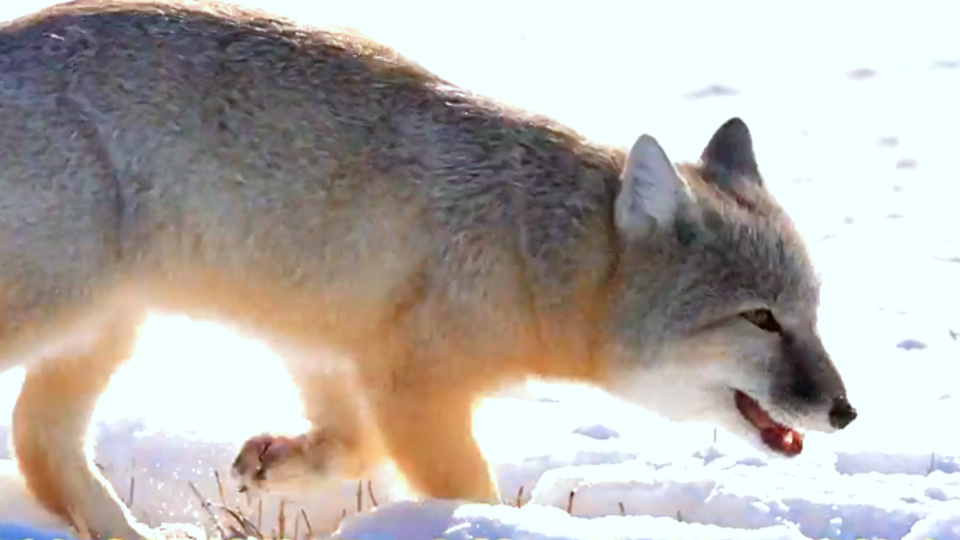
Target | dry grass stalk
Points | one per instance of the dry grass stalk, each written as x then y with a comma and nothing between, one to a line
373,500
282,518
205,504
359,496
306,521
243,528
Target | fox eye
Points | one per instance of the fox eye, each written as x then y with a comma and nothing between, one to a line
762,319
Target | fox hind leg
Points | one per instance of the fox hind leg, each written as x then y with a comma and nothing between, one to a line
51,419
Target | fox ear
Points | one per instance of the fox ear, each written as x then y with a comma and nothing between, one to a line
729,154
649,190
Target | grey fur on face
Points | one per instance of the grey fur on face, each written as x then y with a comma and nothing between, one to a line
723,296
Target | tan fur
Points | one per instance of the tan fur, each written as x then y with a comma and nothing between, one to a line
319,191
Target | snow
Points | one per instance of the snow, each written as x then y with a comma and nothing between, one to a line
854,116
18,531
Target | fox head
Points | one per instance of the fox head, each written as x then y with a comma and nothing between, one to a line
715,316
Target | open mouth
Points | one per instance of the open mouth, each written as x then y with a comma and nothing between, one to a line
776,436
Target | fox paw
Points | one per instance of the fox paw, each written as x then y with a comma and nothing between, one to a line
281,463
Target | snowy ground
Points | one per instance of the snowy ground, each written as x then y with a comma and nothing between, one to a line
853,110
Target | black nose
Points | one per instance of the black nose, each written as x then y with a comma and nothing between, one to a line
842,413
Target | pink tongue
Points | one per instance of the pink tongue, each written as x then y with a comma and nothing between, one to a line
784,440
778,437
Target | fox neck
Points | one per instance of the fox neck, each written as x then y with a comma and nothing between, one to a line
572,290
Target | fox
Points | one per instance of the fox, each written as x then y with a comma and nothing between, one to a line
319,191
